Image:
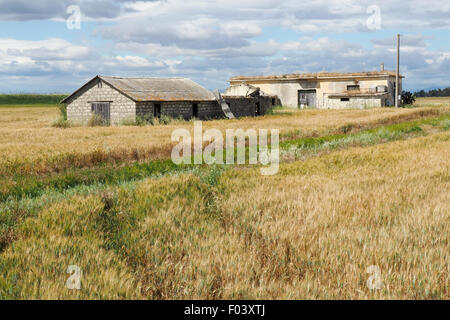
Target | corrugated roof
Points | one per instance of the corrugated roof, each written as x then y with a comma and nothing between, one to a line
315,76
156,89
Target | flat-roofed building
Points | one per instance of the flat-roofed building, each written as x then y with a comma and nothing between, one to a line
327,90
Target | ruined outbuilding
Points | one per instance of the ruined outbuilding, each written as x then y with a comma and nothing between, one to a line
244,99
324,90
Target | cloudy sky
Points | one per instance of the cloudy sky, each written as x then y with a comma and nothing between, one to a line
44,47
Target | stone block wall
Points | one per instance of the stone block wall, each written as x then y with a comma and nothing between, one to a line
144,108
121,107
210,110
176,109
247,106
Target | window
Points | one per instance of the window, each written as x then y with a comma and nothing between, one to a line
353,87
99,85
195,110
345,99
157,111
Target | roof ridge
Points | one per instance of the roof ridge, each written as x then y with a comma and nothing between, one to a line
153,78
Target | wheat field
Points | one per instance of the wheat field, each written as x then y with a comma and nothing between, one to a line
30,143
223,232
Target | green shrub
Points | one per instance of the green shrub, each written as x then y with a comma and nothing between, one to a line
62,123
408,98
97,120
146,118
63,109
139,121
165,119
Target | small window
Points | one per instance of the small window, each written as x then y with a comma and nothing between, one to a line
353,87
345,99
195,110
157,111
99,85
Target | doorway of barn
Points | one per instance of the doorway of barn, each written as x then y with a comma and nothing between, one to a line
307,98
157,110
195,110
102,109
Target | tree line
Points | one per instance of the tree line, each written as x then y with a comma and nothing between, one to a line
433,93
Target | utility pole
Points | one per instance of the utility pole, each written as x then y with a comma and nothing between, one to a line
397,75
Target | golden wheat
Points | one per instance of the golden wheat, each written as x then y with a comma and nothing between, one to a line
29,144
309,232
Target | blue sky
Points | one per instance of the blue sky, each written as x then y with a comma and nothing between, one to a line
211,41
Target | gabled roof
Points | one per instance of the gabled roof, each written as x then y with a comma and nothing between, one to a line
154,89
316,76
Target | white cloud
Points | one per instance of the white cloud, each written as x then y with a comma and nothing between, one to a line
211,41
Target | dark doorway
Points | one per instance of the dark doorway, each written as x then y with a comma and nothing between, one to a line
195,110
307,98
102,109
258,109
157,110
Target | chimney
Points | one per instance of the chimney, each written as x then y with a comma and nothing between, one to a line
382,67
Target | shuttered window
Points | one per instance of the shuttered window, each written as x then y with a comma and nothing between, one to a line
102,109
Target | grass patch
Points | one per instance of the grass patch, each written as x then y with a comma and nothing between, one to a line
309,146
18,186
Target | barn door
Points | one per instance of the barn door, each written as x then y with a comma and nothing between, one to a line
102,109
307,98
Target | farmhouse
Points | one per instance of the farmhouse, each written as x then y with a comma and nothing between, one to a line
117,99
325,90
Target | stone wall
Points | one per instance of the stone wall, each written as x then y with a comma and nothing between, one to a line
121,107
210,110
144,108
247,106
176,109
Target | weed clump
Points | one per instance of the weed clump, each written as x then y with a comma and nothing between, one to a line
97,120
62,123
165,119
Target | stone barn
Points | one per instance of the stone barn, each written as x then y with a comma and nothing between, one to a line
118,99
324,90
